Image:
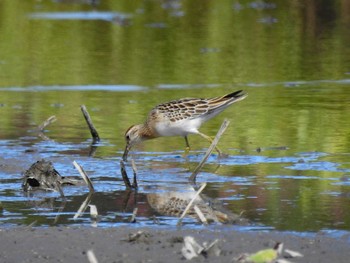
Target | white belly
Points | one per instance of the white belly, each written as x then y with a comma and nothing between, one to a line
178,128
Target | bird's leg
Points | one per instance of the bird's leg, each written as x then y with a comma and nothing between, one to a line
187,150
208,138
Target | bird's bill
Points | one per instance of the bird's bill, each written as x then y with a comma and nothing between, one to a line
126,152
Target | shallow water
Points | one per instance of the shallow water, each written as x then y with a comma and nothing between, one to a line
288,143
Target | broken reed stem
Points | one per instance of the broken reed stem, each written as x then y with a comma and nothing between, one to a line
93,131
91,256
221,131
200,215
190,203
125,175
85,176
46,123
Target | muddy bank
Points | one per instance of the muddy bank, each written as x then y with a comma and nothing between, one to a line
69,244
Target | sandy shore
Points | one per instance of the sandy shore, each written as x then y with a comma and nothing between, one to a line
66,244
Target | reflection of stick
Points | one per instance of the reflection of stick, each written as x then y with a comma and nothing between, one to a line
47,123
126,199
133,217
125,175
85,176
93,131
134,168
59,211
60,190
93,212
83,206
221,131
190,203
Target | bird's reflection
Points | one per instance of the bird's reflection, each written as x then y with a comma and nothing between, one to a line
170,202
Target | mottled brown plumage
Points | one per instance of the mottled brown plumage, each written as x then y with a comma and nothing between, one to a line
179,118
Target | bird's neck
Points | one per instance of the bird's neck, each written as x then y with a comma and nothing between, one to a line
146,132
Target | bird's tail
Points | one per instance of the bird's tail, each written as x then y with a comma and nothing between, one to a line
226,100
235,96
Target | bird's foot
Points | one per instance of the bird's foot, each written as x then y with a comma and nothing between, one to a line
222,155
187,151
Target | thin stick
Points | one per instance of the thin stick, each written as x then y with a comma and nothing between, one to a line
46,123
85,176
125,175
93,131
200,215
134,168
91,256
190,203
221,131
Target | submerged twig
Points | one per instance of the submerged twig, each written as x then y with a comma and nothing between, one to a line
85,176
221,131
93,131
190,203
125,177
47,122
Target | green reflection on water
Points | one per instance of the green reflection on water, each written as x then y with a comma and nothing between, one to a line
211,43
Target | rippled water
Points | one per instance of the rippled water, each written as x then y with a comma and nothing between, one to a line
288,143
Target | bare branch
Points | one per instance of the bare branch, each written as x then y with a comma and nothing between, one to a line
85,176
46,123
93,131
221,131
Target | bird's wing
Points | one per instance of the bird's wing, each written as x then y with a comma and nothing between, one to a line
187,108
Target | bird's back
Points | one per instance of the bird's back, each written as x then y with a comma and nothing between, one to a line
191,108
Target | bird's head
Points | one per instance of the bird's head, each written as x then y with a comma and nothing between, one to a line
132,136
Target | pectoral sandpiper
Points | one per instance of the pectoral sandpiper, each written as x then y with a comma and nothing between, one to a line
179,118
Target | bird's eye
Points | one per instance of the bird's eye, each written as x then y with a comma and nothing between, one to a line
127,137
